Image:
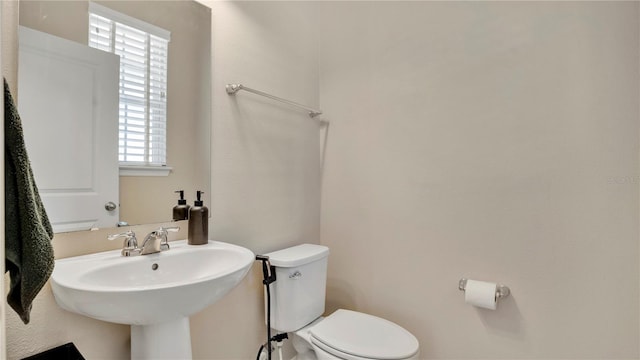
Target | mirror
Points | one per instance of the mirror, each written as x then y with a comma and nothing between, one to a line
150,199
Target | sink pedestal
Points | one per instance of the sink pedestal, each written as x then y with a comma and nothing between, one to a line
167,340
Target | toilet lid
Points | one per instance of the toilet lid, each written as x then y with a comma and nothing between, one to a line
365,336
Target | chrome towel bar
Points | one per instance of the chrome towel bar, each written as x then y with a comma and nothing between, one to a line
232,89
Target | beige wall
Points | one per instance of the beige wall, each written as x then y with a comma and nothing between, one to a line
10,43
266,190
266,183
150,199
491,140
265,177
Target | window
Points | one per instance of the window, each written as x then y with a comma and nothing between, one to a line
143,50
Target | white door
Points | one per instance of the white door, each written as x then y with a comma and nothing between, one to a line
68,102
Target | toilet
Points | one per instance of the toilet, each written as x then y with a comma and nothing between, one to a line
297,305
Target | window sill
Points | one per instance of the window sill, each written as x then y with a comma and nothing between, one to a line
142,170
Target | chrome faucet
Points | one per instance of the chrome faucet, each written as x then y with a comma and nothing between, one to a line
156,240
130,245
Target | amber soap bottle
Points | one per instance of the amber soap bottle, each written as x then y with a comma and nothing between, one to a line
181,211
198,222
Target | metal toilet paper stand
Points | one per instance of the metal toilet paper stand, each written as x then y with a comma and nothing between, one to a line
502,291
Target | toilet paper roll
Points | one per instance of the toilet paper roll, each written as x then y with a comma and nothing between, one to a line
481,294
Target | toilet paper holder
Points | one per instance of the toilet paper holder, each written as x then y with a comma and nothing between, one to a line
502,291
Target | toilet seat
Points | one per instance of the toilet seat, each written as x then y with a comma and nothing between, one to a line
353,335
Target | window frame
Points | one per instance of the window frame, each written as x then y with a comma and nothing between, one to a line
145,168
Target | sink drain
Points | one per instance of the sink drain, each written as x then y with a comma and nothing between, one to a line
154,267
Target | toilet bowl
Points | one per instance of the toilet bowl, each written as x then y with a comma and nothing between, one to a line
352,335
297,303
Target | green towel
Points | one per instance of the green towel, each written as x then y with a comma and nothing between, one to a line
28,233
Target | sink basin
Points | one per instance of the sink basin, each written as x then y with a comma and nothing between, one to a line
154,293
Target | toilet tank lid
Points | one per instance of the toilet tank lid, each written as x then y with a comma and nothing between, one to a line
298,255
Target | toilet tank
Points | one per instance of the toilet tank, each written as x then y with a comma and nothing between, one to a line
298,294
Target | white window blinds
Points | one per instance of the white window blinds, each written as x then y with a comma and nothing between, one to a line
143,51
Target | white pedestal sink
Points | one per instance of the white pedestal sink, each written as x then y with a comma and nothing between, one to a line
155,294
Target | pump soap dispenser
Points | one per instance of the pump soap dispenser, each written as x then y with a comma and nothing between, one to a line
181,211
198,223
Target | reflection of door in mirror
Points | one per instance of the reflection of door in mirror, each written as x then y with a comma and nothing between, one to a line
72,92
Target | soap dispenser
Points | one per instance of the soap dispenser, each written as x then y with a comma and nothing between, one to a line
198,222
181,211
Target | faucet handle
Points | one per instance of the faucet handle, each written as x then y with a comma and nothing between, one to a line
170,229
162,232
127,235
130,244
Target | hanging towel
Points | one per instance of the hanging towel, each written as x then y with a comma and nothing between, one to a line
28,233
